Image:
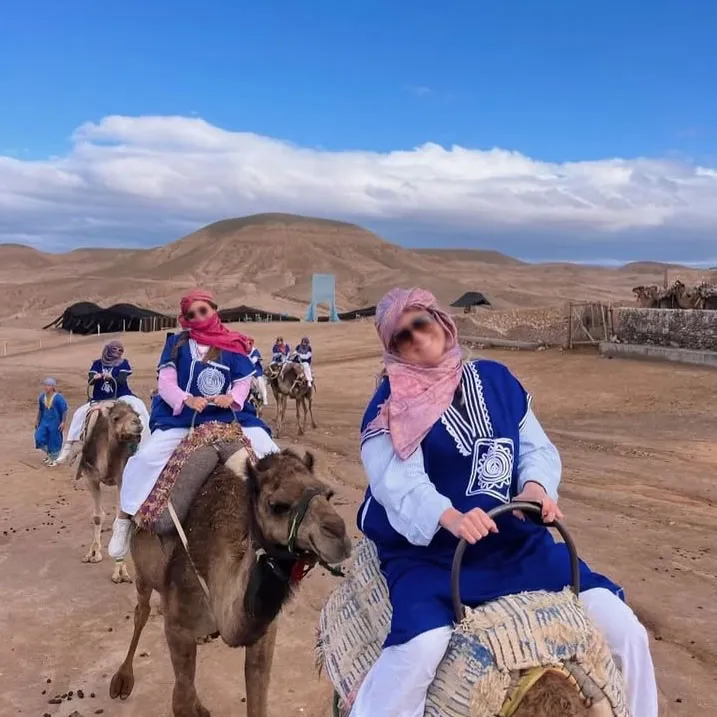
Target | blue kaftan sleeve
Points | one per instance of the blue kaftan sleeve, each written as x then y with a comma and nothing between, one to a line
379,398
412,503
166,358
95,368
62,406
122,372
240,368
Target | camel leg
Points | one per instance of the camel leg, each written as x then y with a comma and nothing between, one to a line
123,680
120,574
310,402
95,553
280,411
277,396
299,423
257,671
183,651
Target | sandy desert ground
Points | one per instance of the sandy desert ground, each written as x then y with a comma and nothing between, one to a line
639,493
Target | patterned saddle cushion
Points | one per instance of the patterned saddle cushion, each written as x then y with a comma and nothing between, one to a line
187,470
489,652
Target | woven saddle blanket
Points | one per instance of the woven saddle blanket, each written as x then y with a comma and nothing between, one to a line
486,655
188,469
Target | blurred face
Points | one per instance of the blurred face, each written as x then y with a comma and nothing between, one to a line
419,338
199,311
48,389
279,341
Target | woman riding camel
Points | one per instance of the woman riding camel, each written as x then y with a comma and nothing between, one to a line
109,378
279,351
443,442
302,356
204,374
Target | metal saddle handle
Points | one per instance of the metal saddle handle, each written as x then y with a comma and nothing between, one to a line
527,507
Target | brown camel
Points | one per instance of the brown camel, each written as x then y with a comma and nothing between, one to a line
253,531
646,296
289,381
112,434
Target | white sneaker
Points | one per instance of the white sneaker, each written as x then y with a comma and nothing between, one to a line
121,537
67,453
46,460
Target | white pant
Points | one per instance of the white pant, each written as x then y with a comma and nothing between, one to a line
78,418
307,371
397,684
260,383
144,468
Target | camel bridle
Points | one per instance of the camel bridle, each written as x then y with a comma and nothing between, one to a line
289,562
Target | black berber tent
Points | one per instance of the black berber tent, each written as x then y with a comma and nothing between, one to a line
88,318
470,300
250,313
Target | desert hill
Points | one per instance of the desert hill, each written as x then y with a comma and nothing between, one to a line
267,260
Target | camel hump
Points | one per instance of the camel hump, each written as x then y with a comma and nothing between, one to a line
188,469
494,665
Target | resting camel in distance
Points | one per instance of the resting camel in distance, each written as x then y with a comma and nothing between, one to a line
289,381
253,531
112,434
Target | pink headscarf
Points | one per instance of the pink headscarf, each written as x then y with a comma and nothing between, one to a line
419,394
211,331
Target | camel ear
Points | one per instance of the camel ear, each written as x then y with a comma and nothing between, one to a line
309,460
252,476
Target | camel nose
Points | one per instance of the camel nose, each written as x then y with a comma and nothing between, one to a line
334,527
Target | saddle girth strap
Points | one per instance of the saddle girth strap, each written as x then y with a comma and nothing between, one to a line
183,537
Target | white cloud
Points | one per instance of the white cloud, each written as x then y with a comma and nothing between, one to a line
137,179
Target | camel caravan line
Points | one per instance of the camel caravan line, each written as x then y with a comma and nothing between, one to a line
226,540
677,296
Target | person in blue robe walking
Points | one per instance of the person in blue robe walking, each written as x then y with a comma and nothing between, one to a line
50,421
443,442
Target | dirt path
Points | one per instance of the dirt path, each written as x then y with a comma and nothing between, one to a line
639,492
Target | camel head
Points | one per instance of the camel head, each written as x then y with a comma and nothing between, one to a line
292,508
295,381
111,434
124,423
272,371
115,419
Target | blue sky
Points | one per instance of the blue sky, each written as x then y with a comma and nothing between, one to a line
553,81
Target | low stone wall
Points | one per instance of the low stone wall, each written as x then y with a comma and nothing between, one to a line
675,328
